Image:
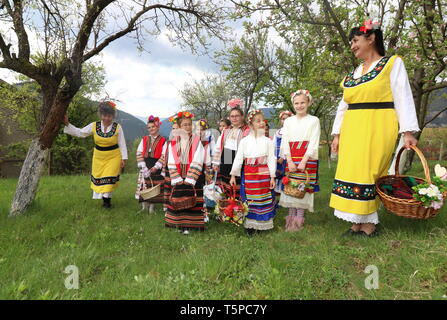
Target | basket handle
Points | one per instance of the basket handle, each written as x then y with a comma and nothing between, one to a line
172,191
423,161
307,176
143,182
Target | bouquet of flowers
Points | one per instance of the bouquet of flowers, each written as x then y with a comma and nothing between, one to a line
295,188
432,195
231,210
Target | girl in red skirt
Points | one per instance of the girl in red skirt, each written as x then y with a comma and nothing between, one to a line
256,154
299,145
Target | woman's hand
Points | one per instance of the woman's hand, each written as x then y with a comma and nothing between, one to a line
409,140
334,144
65,121
123,163
216,167
233,181
302,166
272,183
280,160
292,166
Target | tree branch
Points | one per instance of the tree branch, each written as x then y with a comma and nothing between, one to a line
19,28
435,116
436,87
397,23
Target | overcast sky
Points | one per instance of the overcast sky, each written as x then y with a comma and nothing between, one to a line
148,83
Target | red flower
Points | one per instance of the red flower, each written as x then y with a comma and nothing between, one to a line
285,180
179,115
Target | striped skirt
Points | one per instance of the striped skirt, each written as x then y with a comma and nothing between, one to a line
297,151
192,218
255,189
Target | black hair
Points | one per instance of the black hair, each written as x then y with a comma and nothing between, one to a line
105,108
378,43
227,122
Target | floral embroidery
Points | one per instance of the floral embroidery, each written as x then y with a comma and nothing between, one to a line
104,180
351,82
108,134
348,190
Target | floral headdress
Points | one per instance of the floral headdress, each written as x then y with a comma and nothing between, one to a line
253,113
179,115
203,123
111,104
155,120
369,25
300,92
286,112
234,103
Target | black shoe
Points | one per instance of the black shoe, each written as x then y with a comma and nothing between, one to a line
373,234
250,232
107,203
351,233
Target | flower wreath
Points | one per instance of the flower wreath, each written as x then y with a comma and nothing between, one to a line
300,92
234,103
253,113
179,115
203,123
369,25
155,120
111,104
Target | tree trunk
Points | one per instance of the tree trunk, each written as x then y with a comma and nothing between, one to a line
52,111
29,177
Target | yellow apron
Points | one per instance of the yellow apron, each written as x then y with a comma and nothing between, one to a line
106,163
368,136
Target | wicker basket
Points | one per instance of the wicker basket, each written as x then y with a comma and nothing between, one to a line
408,208
239,215
293,191
182,203
148,193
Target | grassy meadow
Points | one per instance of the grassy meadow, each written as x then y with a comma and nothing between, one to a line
122,254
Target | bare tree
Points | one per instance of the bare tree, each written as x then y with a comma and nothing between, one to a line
71,33
208,97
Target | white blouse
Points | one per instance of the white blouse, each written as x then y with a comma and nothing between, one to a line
402,96
87,131
254,147
140,148
301,129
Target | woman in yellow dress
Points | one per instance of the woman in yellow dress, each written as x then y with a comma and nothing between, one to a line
110,153
377,104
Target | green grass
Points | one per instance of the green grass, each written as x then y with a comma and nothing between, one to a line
124,255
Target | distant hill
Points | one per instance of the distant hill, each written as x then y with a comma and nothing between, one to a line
133,127
438,103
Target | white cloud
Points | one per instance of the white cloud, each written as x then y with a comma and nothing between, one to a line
145,87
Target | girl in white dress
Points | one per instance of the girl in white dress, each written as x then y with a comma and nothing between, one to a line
299,145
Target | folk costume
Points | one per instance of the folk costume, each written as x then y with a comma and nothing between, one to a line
184,178
280,168
224,153
301,136
149,152
256,155
375,107
110,149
